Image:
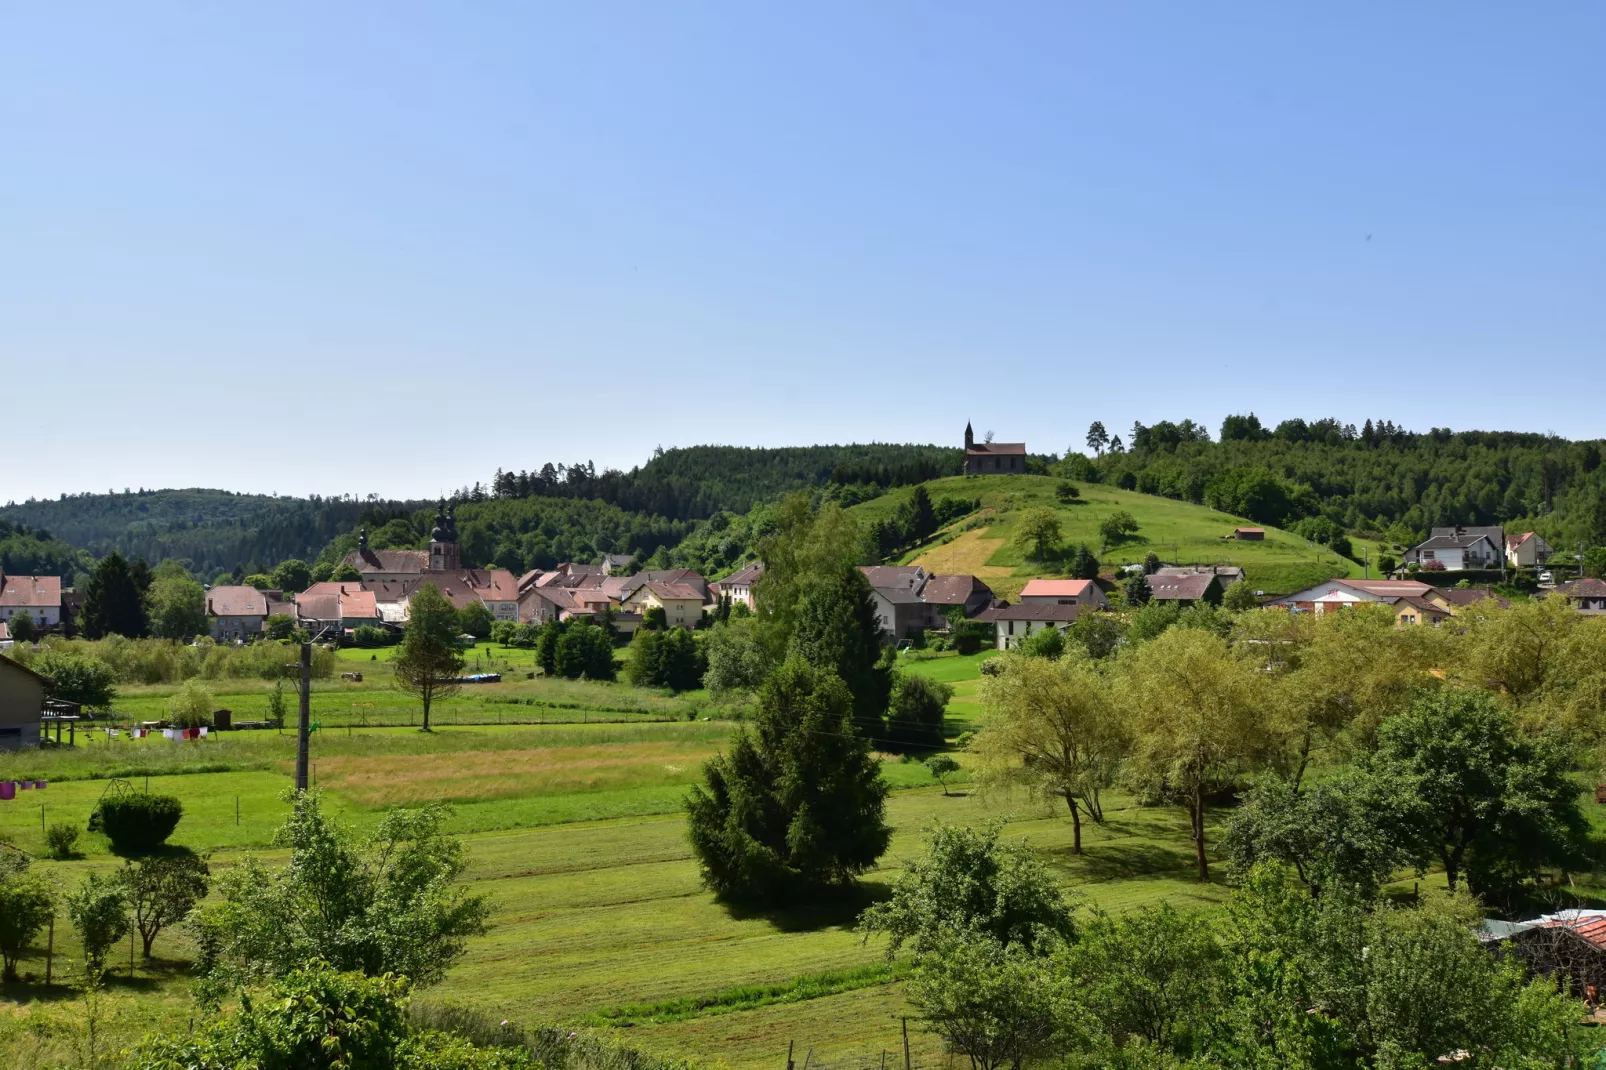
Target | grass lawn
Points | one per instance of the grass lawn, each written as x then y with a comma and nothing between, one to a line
1179,532
575,833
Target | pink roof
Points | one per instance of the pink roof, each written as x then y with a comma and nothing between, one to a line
31,591
231,601
1388,587
1054,588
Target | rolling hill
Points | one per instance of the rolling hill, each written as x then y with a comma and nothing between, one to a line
1179,532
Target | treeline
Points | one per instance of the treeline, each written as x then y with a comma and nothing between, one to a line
1377,478
208,531
27,551
696,482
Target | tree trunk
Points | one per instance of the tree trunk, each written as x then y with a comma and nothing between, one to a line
1304,760
1199,833
1076,824
425,695
148,939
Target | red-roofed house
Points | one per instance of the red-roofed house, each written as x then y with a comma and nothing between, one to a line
1527,550
236,613
682,603
738,586
1064,592
40,596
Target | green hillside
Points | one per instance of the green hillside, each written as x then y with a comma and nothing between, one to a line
1179,532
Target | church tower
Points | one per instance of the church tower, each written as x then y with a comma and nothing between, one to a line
970,437
444,554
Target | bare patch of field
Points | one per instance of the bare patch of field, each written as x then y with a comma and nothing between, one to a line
969,553
389,780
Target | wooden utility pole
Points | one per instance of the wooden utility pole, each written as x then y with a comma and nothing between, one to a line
304,720
906,1064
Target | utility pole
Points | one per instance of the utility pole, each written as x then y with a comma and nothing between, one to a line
304,721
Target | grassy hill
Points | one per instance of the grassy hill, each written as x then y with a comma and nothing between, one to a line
1179,532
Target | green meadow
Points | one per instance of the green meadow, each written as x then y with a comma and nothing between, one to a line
575,833
1179,532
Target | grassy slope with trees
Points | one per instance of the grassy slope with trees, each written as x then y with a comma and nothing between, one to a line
983,543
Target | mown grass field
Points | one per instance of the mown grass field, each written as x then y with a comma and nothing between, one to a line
574,831
1179,532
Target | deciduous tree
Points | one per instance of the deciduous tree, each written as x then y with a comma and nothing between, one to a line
162,890
1037,534
428,662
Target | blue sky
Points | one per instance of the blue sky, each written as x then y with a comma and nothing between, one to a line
388,247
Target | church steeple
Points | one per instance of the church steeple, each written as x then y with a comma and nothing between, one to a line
970,436
444,553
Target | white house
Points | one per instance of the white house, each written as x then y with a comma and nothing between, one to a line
1527,550
1014,623
39,596
738,586
1454,549
1339,594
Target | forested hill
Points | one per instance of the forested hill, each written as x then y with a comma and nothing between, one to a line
1374,478
211,530
695,482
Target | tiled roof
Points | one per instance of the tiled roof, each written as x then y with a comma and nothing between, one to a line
952,589
318,606
359,605
745,576
1382,588
42,592
236,602
1181,588
882,577
1054,588
1466,596
1583,588
1060,611
388,560
1228,573
674,591
984,449
1450,542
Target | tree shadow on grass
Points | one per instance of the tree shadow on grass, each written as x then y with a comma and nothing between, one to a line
828,908
1125,861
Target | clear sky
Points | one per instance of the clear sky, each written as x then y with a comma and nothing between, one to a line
389,247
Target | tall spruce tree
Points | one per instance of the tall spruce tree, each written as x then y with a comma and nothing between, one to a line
798,804
114,600
837,630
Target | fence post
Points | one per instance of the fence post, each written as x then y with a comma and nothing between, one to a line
789,1043
906,1044
50,947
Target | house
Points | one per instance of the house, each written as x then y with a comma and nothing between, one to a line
1585,595
612,563
537,605
993,458
682,603
910,600
1527,550
343,606
386,566
1454,549
1230,574
628,584
495,587
1014,623
235,613
1455,599
738,586
1411,610
1571,943
1185,589
38,596
1249,534
22,703
1064,592
1411,601
569,574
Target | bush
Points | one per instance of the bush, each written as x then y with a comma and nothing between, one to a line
1048,643
192,707
136,822
61,840
1067,492
368,635
77,677
915,713
968,637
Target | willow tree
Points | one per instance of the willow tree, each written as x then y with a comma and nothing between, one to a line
1054,727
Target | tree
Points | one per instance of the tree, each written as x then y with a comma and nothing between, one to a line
293,576
22,627
476,619
805,547
260,580
279,626
1037,534
921,520
1341,833
798,803
546,647
1056,728
1099,634
1240,597
1386,564
671,659
1084,566
1151,563
429,662
915,712
191,706
970,881
737,660
942,767
162,890
114,601
837,629
27,904
99,911
999,1006
1098,439
584,649
387,903
1491,805
1117,527
136,822
655,619
1047,643
177,608
1066,492
79,678
1197,720
344,573
1136,590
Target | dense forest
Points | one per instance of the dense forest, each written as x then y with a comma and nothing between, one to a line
695,482
1374,479
35,552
